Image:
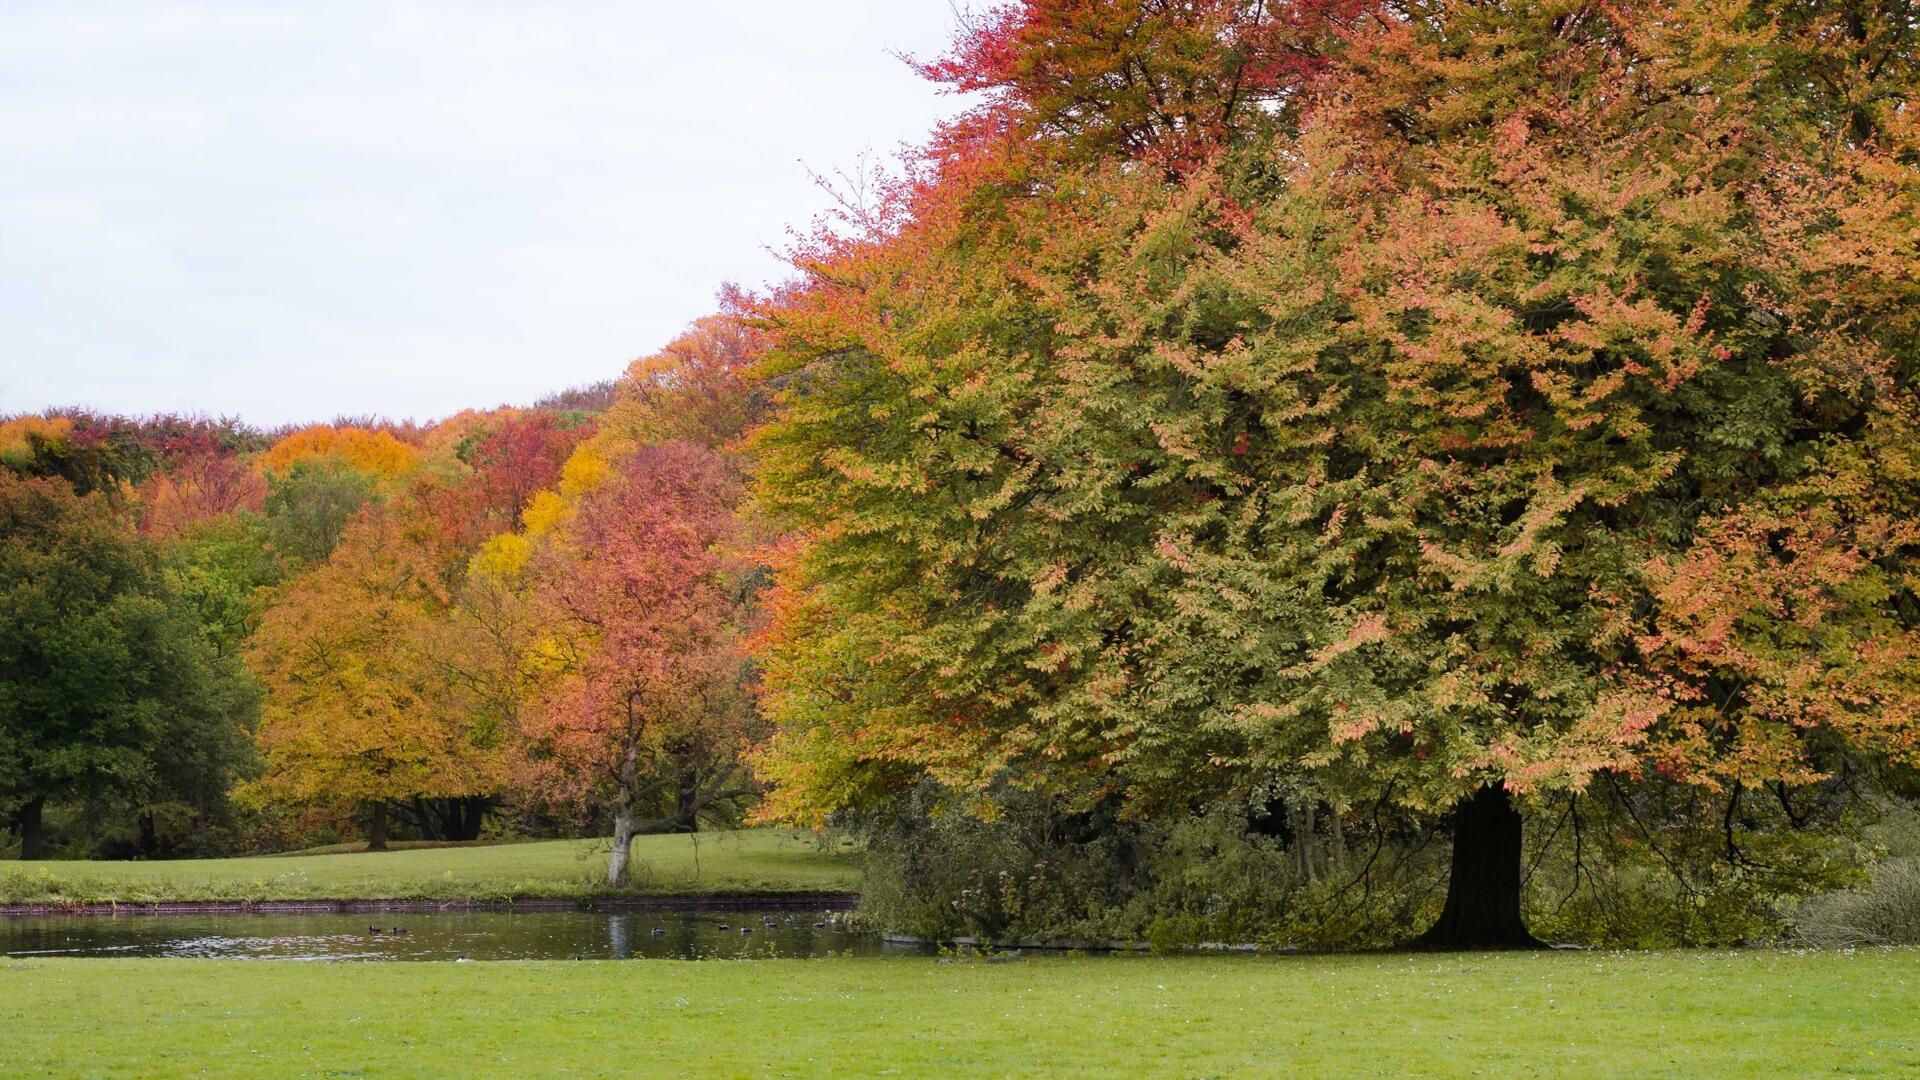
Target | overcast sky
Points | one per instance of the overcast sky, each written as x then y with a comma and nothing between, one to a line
291,212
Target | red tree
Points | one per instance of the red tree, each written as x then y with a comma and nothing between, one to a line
1169,81
644,644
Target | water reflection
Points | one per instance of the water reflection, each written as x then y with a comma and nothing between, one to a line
681,935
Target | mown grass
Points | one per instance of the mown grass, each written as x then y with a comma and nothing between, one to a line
1674,1014
748,860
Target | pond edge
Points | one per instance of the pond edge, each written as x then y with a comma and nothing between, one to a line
736,901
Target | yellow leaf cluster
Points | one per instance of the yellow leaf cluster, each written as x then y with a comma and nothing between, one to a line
15,433
544,513
583,472
503,557
548,656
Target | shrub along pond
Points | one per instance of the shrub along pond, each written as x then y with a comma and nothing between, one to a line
669,934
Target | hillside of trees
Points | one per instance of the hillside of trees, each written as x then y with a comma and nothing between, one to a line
220,640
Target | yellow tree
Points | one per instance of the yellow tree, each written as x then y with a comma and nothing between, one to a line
359,712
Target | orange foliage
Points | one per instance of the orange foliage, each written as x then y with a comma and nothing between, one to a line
196,490
358,660
368,451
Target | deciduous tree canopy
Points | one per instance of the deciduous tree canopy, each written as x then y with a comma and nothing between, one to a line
108,689
1533,401
361,709
645,693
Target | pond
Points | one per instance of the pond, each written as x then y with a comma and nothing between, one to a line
569,935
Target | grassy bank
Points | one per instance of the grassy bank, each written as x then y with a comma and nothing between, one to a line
1701,1014
754,859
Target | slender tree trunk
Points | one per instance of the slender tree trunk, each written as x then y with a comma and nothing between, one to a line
623,814
427,818
33,833
455,817
1302,814
200,825
377,831
1483,891
1339,836
622,845
149,835
1308,834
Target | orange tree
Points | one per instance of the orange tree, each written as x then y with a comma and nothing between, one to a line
697,389
319,477
1529,401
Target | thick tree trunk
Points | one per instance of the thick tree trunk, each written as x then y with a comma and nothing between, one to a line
471,813
454,817
33,833
149,835
1483,891
622,846
377,831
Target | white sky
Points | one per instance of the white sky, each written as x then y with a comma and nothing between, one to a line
293,212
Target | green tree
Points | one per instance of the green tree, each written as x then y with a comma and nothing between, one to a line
308,507
108,689
221,569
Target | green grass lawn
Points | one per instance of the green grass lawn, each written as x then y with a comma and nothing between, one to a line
727,862
1673,1014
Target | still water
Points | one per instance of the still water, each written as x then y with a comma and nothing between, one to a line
678,935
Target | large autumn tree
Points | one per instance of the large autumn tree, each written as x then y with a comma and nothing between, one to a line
1528,400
